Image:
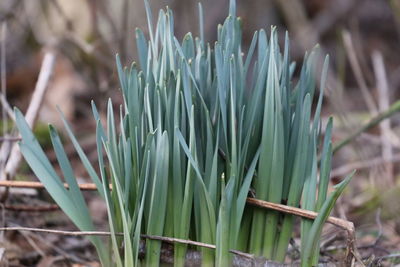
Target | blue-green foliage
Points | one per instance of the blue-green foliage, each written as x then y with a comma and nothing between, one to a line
199,126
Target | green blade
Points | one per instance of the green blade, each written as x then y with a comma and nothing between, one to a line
315,231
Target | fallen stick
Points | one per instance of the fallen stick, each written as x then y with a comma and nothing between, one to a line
346,225
39,185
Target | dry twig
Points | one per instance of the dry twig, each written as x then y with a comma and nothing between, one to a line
31,235
355,65
345,225
39,185
5,106
32,112
26,208
105,233
9,139
386,132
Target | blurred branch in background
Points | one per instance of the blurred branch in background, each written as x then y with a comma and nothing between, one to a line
5,107
385,126
366,164
14,156
393,109
348,44
335,11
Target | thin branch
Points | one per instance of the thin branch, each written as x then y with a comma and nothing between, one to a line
124,28
105,233
51,245
25,208
380,228
355,65
6,106
385,127
378,260
40,88
39,185
58,232
69,25
9,139
6,109
346,225
297,20
395,107
178,240
32,243
32,112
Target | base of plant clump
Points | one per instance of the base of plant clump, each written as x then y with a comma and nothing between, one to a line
193,258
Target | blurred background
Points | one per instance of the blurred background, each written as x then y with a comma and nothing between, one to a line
362,38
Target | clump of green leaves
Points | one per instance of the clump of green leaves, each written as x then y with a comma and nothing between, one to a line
199,126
